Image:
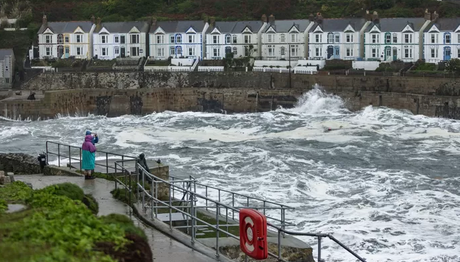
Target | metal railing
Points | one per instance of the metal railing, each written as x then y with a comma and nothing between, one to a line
183,199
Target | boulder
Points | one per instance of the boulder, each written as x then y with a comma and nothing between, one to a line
6,180
19,163
2,173
11,176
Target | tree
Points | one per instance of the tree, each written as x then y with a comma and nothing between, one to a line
453,66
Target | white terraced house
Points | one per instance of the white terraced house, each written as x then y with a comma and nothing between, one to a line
391,39
336,38
442,40
239,38
177,39
120,39
65,39
285,39
6,68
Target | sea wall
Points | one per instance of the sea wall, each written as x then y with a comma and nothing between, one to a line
118,93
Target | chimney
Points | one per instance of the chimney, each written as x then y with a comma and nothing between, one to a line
44,20
154,21
319,18
435,16
271,19
98,24
93,19
311,17
212,21
264,18
427,15
375,17
368,16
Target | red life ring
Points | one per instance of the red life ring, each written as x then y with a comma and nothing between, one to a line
253,234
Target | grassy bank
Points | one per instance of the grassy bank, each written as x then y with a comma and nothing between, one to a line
59,224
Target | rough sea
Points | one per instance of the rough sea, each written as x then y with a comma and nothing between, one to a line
385,182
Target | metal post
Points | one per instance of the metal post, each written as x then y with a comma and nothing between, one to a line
107,163
80,160
264,207
192,211
218,210
143,193
283,219
116,182
170,209
217,231
247,201
129,188
233,205
151,201
319,249
136,172
156,197
206,194
59,155
70,159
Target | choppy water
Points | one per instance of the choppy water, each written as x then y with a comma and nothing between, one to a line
386,183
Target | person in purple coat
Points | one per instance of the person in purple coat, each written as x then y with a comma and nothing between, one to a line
88,157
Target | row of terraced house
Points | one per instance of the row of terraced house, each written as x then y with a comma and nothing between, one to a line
430,38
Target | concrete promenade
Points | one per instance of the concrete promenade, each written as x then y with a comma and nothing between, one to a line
164,248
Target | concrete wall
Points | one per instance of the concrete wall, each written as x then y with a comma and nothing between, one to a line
117,93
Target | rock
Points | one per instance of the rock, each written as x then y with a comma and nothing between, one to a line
2,179
2,173
6,180
11,176
19,163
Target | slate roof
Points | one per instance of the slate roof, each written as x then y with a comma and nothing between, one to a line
445,24
178,26
397,24
5,52
123,27
66,27
340,24
283,26
236,26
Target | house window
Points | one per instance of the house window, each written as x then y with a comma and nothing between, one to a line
447,38
349,52
407,52
387,38
172,51
234,39
349,38
318,52
60,39
247,39
374,52
122,39
172,38
47,39
160,39
458,38
407,38
104,39
271,50
294,50
337,38
191,51
78,50
134,39
270,38
103,51
134,51
216,52
318,38
116,39
283,50
116,50
161,52
434,53
7,80
235,51
246,50
215,39
66,39
48,51
191,38
79,38
178,39
375,38
434,38
330,38
228,39
283,38
293,38
395,38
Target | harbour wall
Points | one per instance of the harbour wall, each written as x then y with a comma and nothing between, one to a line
119,93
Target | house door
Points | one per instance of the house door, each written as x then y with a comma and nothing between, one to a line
336,52
330,52
395,54
387,53
447,53
66,52
122,52
60,51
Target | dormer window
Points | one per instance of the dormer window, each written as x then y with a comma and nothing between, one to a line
447,38
294,38
215,39
104,39
349,38
270,38
47,39
247,39
375,38
318,38
134,39
407,38
79,38
191,38
283,38
434,38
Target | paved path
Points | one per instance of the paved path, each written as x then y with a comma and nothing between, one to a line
164,248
